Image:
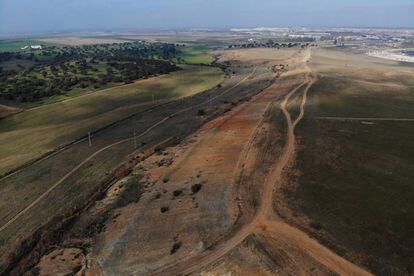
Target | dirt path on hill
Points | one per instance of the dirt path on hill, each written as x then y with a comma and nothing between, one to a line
266,221
77,167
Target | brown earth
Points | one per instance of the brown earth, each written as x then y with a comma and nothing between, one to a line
67,261
208,203
266,222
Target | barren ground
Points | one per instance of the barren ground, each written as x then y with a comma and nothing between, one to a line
207,203
224,198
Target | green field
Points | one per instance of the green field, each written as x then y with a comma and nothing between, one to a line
355,180
36,131
196,53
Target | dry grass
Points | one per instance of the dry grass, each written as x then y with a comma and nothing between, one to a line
33,132
256,55
355,180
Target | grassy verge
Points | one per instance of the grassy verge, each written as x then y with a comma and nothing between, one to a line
35,131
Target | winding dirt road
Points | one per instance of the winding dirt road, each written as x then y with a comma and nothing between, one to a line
266,221
83,162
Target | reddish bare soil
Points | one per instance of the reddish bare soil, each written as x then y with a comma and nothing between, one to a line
208,159
66,261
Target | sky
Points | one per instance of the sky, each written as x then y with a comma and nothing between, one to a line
36,16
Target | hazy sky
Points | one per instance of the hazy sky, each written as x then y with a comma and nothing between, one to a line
26,16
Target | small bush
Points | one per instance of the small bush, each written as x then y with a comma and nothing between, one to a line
165,180
196,188
175,247
201,112
177,193
316,225
164,209
159,149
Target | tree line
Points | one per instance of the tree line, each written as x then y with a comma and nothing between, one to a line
272,44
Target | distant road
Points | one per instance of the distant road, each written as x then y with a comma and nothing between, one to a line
365,119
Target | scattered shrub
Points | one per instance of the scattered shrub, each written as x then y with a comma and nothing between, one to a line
316,225
164,209
196,188
175,247
159,149
177,193
201,112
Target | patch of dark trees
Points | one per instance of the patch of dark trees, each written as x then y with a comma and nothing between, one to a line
271,44
57,70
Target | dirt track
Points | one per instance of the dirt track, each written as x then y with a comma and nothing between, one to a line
266,222
6,110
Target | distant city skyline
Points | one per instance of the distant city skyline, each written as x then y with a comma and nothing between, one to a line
27,16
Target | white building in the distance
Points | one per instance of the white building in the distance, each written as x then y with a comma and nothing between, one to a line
33,47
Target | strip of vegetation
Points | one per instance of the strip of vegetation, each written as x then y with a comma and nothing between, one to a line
272,44
175,247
